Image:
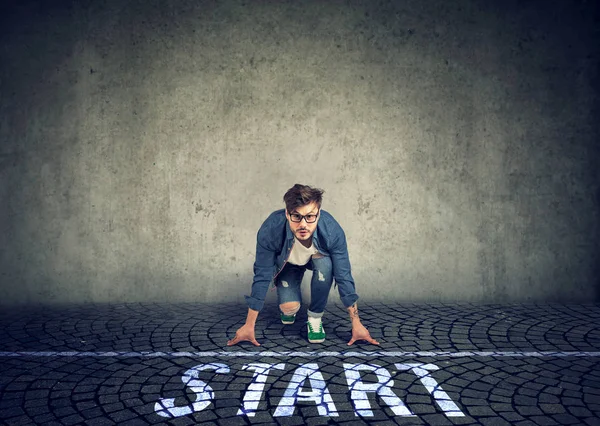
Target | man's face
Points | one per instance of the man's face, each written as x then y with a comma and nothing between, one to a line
302,230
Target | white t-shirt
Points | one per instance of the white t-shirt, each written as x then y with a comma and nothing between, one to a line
300,255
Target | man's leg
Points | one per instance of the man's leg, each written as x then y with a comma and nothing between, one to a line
320,285
289,294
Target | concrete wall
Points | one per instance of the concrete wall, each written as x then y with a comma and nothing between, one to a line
144,142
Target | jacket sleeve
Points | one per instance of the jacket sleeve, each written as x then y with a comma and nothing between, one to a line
341,270
264,269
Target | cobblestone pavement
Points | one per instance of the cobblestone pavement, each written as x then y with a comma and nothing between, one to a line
439,364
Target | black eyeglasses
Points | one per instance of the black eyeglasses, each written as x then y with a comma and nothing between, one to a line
309,218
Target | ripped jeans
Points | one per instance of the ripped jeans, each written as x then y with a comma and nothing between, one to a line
290,278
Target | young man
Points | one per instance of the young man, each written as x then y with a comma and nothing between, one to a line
291,240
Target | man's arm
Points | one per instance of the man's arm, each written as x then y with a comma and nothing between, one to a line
342,271
267,247
346,287
264,266
263,274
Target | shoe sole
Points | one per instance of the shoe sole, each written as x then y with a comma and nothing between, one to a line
287,322
316,341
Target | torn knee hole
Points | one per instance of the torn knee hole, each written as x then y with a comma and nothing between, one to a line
289,309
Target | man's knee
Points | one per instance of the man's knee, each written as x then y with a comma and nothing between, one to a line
290,308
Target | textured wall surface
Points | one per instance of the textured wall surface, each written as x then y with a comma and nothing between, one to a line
143,143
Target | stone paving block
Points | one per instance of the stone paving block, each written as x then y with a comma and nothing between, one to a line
64,411
122,415
500,399
591,421
130,402
284,421
435,420
107,396
526,423
594,407
525,400
552,408
44,419
92,412
182,421
22,421
423,408
412,399
112,407
33,403
478,411
225,402
99,421
548,399
319,421
72,420
16,386
134,422
498,407
494,421
474,394
573,401
148,398
527,410
512,417
462,420
36,411
83,396
580,412
474,401
543,420
565,419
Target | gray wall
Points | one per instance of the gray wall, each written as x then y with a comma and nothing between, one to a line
143,143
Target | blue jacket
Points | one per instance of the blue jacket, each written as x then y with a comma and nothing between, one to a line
273,247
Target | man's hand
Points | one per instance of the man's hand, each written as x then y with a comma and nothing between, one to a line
245,334
359,332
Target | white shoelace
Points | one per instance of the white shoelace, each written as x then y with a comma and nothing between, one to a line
315,323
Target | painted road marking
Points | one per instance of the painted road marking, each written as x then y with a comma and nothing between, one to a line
307,384
376,354
255,390
383,388
318,394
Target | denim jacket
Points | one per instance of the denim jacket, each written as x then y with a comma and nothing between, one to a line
273,247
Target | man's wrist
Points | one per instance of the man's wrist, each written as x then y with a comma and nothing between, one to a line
251,317
353,312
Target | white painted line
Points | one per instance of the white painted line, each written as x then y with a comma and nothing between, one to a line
374,354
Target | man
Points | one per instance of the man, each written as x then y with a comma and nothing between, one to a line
291,240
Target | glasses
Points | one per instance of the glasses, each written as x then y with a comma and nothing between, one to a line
310,218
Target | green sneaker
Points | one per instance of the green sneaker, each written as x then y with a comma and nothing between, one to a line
288,319
316,336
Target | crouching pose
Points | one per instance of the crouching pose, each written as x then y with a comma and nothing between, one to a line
291,240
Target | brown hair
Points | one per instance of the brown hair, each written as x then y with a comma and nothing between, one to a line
300,195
